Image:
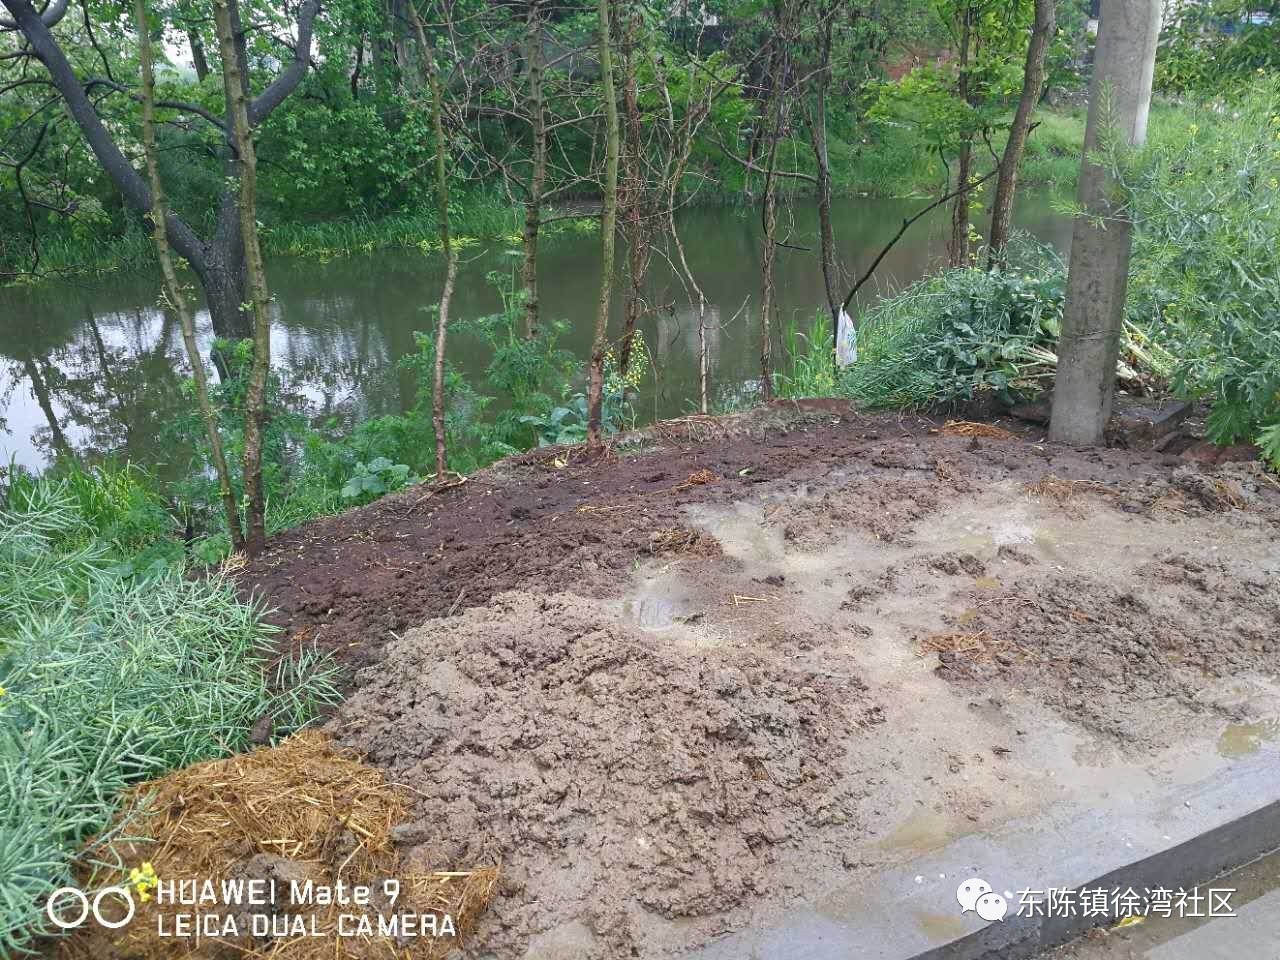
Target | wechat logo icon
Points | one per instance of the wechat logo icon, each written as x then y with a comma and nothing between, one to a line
975,894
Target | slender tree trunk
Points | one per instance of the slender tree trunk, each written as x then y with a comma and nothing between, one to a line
608,225
1032,83
1098,277
818,135
255,403
359,65
958,245
682,148
534,56
172,288
431,69
766,277
194,43
769,206
198,59
635,212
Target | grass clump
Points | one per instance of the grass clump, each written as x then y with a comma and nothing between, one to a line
808,368
109,678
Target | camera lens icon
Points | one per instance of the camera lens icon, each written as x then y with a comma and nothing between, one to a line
87,906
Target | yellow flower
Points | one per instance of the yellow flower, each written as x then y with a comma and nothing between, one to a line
1193,129
3,691
1273,183
144,880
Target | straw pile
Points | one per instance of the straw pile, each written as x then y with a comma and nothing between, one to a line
971,428
305,810
977,645
1055,488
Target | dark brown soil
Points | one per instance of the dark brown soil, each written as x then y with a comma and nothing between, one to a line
349,583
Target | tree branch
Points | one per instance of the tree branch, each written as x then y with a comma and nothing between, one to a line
194,108
127,180
51,15
903,229
262,105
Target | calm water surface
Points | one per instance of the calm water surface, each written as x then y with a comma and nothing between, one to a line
97,368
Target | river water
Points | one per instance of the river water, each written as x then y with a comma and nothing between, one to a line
95,367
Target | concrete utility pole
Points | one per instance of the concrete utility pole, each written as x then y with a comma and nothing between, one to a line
1119,95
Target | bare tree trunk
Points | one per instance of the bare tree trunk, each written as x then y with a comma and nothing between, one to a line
608,225
1097,281
431,69
1032,83
769,206
198,59
194,43
818,135
766,276
534,56
682,147
172,288
635,212
359,65
958,244
255,412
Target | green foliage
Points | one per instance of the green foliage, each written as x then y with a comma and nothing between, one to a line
950,337
567,423
1213,47
563,424
809,355
107,680
371,480
1206,276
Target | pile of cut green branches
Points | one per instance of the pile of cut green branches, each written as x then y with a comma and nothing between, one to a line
966,332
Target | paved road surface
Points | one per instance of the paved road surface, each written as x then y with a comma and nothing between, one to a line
1253,934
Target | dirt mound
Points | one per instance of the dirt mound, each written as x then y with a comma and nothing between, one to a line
1107,655
551,521
886,511
611,768
303,812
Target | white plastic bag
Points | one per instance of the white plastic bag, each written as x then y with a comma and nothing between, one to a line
846,340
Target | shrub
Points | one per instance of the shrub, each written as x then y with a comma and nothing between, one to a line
1206,275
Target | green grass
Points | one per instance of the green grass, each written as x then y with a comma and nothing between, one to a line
108,677
482,215
807,358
